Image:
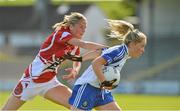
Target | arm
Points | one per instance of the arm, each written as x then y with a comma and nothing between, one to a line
77,65
87,56
91,54
86,44
97,65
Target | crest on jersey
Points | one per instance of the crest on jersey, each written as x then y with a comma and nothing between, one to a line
84,104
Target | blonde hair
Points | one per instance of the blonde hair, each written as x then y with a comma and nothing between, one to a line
71,19
124,31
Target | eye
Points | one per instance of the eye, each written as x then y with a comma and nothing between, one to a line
82,26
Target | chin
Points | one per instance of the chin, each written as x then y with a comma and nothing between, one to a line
79,37
135,56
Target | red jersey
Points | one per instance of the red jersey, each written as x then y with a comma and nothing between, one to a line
51,51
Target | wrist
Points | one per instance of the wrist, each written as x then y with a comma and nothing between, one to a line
102,79
75,71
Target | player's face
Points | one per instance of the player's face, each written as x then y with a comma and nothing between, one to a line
78,29
138,49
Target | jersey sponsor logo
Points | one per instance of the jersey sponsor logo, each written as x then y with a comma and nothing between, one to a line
84,104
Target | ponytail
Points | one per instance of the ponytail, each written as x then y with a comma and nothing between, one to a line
119,29
124,31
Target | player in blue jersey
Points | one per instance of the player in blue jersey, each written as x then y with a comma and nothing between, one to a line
86,94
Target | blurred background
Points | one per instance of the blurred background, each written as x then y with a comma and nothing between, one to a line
24,25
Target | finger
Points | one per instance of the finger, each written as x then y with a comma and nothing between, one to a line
74,76
114,86
113,81
68,69
69,76
65,77
109,88
71,81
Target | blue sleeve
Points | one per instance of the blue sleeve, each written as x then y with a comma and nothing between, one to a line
113,54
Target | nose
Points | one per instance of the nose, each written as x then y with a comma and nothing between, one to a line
143,50
83,30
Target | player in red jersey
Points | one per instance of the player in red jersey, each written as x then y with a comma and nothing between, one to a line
39,77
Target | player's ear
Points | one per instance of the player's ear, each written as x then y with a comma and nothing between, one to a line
131,44
71,27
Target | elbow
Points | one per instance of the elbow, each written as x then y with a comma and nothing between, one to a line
96,65
83,45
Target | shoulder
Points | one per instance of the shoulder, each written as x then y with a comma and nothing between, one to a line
62,35
115,49
65,35
115,53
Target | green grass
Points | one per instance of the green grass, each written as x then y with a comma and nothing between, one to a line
126,101
148,102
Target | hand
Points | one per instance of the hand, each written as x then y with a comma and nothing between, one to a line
108,84
72,74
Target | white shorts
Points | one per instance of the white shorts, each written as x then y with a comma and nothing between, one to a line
26,89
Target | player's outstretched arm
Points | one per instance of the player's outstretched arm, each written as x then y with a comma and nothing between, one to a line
86,44
91,55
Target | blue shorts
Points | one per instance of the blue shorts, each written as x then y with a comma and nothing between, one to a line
86,97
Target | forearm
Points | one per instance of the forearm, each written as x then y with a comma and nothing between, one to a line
93,45
86,44
98,71
91,54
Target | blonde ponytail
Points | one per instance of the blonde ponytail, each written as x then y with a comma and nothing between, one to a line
125,32
119,28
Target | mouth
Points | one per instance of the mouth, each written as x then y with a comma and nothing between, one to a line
81,34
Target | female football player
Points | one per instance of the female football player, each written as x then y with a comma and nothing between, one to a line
86,95
39,77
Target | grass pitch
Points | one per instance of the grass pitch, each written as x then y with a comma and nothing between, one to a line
126,102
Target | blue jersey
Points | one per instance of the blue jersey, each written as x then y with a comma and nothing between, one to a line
115,56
